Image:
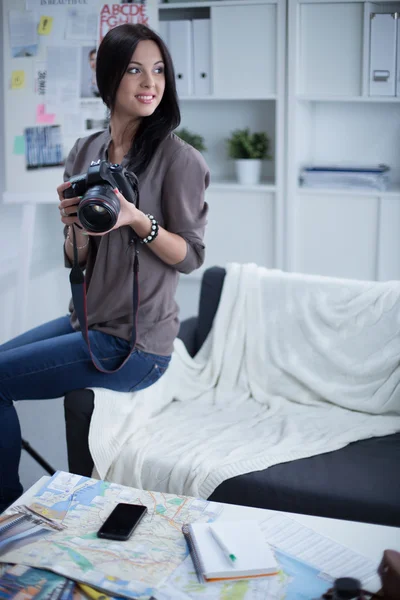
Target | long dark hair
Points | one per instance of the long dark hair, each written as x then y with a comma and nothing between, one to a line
113,57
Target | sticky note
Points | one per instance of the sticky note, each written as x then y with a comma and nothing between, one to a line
42,117
17,80
19,145
45,25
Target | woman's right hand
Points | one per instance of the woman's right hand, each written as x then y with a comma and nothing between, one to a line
68,207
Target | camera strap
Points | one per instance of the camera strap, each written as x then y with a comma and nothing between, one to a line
78,288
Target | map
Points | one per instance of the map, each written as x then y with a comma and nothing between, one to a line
154,563
296,581
132,568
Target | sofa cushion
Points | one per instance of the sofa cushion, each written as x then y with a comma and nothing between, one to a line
359,482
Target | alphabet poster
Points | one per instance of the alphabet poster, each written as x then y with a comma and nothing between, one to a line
112,15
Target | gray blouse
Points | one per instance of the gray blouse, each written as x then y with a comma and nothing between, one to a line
172,189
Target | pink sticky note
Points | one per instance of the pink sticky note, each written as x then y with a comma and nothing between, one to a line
42,117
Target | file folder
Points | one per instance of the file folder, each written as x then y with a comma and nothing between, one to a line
398,57
382,68
163,30
202,57
180,47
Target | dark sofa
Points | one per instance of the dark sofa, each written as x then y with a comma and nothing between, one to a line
359,482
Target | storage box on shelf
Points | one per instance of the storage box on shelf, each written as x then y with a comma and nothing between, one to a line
333,118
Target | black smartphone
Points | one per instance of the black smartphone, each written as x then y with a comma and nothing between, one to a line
122,521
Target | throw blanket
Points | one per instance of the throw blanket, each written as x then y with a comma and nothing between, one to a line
294,366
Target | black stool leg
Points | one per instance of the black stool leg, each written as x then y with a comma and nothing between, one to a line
78,409
39,459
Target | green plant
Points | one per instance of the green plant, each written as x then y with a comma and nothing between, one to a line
194,139
243,144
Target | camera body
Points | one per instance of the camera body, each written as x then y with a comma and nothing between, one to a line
99,206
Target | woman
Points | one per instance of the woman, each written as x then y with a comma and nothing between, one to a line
136,81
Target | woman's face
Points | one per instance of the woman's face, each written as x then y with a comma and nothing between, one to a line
92,61
142,87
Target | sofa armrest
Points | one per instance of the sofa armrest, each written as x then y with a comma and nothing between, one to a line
188,335
210,295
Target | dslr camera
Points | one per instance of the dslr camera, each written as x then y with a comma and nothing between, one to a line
99,207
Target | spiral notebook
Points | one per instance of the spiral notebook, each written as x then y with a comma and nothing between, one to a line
254,557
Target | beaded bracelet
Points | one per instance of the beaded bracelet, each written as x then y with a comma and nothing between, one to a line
71,243
153,233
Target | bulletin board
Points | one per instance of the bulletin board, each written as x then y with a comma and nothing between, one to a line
50,93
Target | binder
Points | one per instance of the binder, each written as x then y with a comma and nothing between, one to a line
382,67
398,57
163,30
180,47
202,57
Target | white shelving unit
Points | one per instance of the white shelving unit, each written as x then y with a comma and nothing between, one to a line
331,118
247,45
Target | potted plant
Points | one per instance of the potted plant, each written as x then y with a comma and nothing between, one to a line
248,150
194,139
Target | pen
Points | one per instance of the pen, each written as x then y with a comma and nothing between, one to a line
229,555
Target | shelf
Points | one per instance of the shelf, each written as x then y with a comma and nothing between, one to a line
234,186
217,185
206,4
329,98
393,191
29,198
225,98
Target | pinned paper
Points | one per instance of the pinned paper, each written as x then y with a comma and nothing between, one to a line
43,147
62,91
40,79
81,25
19,145
18,80
23,34
45,25
42,117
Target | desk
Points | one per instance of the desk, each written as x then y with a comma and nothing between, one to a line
368,540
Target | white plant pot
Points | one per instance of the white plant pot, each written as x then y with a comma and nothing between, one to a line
248,170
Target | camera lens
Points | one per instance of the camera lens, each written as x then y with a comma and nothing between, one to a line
99,209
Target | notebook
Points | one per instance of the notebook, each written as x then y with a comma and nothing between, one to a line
244,539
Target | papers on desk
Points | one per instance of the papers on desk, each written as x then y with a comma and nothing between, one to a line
368,178
19,581
328,556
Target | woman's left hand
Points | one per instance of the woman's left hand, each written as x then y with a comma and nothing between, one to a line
128,214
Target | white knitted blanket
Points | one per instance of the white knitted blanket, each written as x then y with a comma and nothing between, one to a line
294,366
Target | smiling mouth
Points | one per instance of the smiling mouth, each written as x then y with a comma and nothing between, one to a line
146,99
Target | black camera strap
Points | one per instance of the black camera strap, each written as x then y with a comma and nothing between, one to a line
78,288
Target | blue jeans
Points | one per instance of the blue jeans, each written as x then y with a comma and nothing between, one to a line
49,361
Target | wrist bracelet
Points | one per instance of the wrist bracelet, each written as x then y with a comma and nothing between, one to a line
153,233
71,243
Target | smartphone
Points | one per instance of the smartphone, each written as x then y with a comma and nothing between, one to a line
121,523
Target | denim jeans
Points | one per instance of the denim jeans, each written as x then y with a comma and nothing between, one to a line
49,361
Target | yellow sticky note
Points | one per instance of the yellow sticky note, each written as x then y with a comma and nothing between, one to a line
45,25
17,80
